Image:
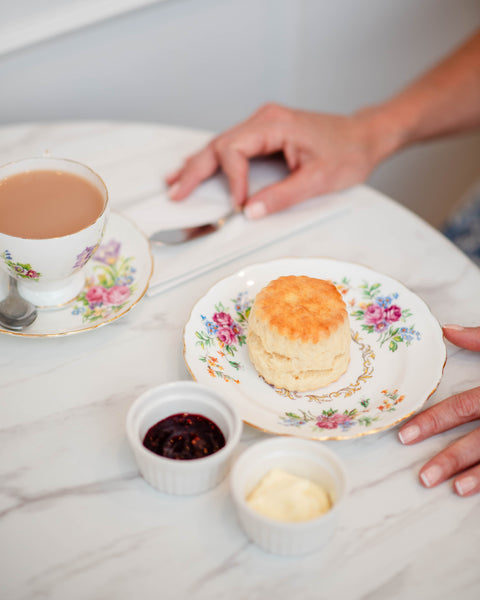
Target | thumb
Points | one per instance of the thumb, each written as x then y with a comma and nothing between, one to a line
295,188
464,337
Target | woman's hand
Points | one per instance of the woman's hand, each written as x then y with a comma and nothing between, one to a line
462,458
325,153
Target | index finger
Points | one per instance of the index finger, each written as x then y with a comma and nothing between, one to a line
196,169
451,412
259,135
234,148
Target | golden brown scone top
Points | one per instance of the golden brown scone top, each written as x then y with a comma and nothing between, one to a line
301,307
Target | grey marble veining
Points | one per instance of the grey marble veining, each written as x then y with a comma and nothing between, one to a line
76,519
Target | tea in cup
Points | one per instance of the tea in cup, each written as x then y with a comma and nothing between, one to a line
53,214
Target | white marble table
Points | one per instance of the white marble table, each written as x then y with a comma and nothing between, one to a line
77,520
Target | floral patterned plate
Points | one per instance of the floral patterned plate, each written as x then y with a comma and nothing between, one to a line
117,277
397,353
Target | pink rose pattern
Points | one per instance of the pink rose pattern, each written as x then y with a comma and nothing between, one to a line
227,335
366,413
221,336
381,315
96,295
222,318
111,288
332,421
118,294
222,329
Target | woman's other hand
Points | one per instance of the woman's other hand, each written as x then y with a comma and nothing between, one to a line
461,459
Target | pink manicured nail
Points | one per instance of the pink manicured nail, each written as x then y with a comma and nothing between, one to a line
408,434
431,475
465,485
454,327
255,211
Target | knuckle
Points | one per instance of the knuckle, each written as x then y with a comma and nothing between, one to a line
273,111
318,177
218,148
431,422
193,159
451,460
220,145
189,161
279,202
467,404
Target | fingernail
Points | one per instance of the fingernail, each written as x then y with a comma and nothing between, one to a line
172,192
454,327
431,475
408,434
255,211
465,485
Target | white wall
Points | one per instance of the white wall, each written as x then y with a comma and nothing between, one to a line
209,63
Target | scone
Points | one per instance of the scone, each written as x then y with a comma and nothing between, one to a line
299,333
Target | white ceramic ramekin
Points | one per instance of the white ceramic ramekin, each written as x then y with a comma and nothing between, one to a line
304,458
182,477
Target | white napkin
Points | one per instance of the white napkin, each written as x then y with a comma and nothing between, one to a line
174,265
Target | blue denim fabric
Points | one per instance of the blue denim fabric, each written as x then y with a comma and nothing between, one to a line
463,229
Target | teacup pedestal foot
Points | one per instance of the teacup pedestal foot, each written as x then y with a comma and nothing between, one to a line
52,294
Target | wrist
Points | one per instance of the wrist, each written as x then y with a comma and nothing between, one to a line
386,129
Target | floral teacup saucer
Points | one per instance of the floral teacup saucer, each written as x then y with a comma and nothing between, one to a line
396,360
117,277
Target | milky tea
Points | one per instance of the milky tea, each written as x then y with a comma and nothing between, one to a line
41,204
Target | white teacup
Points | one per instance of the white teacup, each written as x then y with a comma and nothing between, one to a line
50,271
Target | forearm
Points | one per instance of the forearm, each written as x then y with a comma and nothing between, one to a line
444,101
